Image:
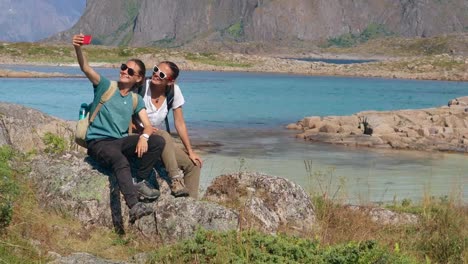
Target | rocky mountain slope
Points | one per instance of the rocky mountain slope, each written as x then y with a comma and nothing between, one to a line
32,20
178,22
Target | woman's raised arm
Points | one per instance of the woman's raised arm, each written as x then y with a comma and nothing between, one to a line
92,75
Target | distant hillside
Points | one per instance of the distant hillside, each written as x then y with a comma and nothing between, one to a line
32,20
181,22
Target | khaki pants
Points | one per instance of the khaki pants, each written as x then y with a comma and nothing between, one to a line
174,158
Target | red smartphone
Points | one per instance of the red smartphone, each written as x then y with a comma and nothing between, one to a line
87,39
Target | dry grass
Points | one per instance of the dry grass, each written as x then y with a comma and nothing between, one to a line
34,232
440,235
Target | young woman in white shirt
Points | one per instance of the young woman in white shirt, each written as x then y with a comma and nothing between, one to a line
183,166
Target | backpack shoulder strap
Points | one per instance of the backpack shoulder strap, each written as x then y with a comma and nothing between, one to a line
169,96
104,98
170,100
134,100
142,88
135,103
110,91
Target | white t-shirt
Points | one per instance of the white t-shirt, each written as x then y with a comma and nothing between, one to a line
157,116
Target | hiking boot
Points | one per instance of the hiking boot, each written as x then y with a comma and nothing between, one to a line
138,211
178,187
146,191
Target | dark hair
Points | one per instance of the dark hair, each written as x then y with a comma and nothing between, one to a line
141,72
175,70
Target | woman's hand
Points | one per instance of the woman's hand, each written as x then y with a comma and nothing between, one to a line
92,75
195,159
142,146
77,40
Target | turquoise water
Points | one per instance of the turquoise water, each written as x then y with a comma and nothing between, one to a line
245,114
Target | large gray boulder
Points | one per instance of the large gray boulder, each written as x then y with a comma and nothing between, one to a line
23,128
266,203
176,219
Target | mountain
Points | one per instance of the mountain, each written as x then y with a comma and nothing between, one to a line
32,20
181,22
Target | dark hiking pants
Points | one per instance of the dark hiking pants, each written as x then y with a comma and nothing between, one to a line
116,153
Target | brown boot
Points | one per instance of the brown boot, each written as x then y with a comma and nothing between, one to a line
178,187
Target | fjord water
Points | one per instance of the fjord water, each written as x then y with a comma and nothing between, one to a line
245,114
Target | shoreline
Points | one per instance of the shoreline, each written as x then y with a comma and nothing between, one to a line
6,73
432,68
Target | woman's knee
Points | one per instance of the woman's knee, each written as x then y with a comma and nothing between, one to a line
156,141
110,156
195,169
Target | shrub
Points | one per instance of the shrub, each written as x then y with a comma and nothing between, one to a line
54,143
8,187
372,31
345,41
236,30
254,247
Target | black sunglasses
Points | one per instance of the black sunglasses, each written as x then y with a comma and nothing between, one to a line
161,74
130,71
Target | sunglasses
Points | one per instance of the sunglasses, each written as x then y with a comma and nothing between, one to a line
161,74
130,71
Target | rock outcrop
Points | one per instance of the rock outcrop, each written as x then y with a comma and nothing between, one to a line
75,184
175,23
266,203
384,216
443,129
